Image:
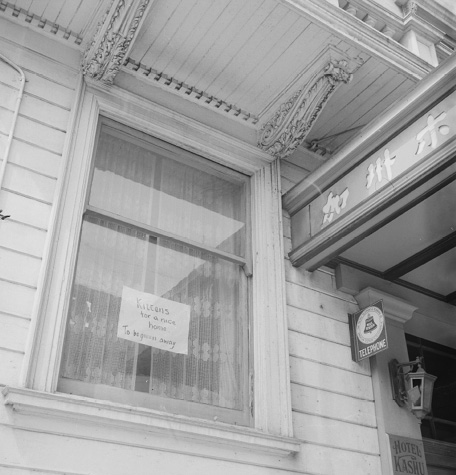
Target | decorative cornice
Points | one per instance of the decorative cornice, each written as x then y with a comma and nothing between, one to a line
173,85
38,23
291,123
113,39
410,8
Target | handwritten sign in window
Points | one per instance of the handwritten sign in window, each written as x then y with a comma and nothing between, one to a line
154,321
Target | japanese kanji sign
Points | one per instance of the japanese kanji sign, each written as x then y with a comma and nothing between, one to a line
399,156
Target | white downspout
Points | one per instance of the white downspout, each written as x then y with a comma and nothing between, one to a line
16,112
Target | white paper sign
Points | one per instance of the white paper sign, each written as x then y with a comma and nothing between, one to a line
154,321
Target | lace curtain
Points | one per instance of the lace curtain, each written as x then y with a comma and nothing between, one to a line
143,183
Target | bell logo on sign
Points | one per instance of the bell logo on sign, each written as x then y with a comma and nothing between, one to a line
368,332
370,325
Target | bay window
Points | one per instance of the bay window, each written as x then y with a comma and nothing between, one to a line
169,230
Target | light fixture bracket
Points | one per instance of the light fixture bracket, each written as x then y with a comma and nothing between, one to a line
412,389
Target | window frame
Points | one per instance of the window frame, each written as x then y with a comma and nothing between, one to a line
146,400
271,428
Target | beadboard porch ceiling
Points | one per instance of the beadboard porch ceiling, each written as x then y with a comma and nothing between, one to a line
232,63
244,59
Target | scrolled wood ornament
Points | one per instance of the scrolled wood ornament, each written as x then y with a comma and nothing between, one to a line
115,34
291,123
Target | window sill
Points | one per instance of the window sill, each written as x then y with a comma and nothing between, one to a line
132,418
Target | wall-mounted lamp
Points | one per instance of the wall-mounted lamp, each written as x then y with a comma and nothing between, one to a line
412,389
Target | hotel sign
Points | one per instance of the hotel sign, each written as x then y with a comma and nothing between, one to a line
407,455
375,181
368,332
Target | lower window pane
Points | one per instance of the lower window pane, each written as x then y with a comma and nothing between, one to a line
113,256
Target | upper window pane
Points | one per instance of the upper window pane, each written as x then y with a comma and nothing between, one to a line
144,184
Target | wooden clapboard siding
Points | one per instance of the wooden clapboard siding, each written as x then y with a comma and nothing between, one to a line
329,460
335,433
30,179
330,378
14,332
33,158
309,323
17,267
324,352
29,183
21,237
16,299
10,367
318,402
25,210
7,93
321,302
332,396
44,111
37,133
291,174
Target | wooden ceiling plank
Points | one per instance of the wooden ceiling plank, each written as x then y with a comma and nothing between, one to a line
153,28
235,36
362,99
180,24
387,96
24,4
364,102
258,45
208,35
78,19
417,260
189,39
269,51
53,15
39,7
362,79
308,46
390,97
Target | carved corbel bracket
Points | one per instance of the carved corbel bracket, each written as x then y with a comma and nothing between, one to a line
291,123
113,39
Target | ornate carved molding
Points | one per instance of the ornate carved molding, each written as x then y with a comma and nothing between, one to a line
113,39
289,126
410,8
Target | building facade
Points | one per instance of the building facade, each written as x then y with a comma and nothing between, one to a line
195,196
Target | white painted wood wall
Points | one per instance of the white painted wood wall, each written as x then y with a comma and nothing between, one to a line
333,408
30,178
332,397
